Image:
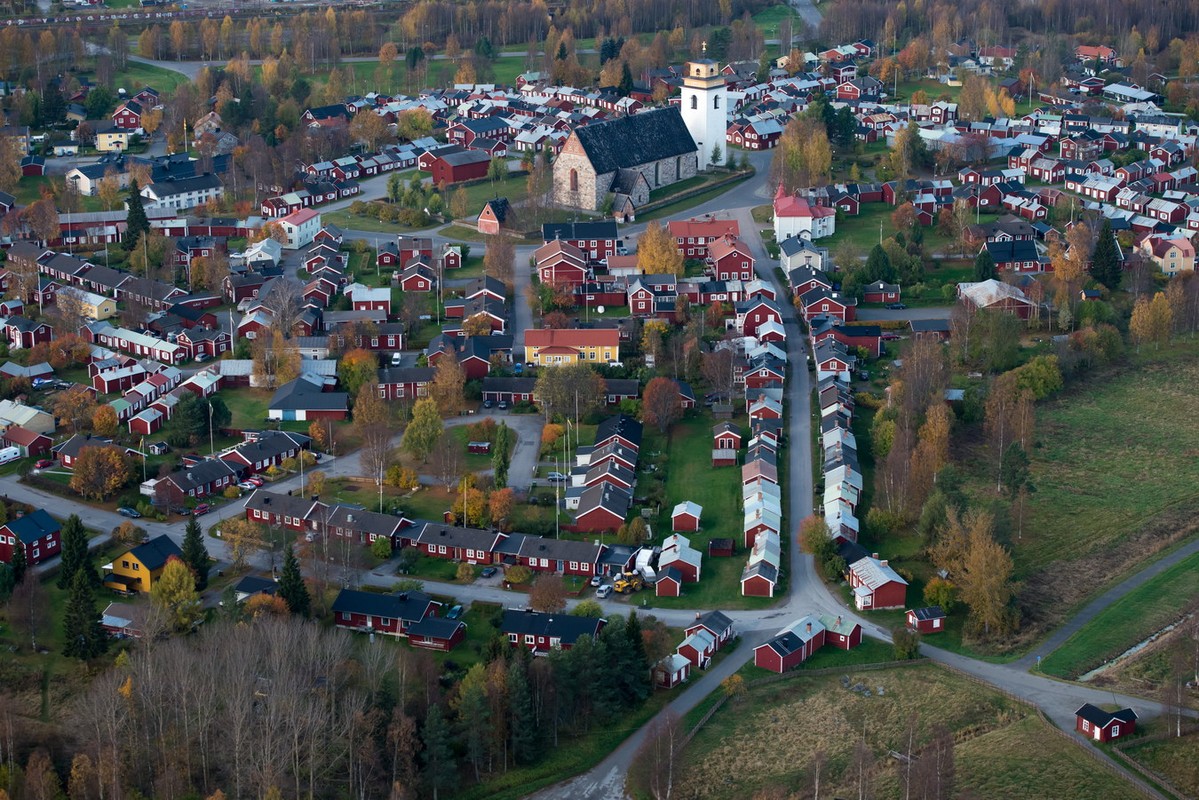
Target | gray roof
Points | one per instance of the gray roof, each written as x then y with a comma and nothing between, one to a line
635,140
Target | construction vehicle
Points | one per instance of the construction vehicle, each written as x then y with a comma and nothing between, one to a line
628,583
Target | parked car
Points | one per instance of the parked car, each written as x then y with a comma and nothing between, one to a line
38,383
556,477
201,510
454,612
518,368
488,404
259,482
603,591
896,306
182,511
43,463
202,357
249,487
126,511
890,337
503,406
487,572
396,359
597,580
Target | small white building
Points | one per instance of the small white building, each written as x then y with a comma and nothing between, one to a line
300,227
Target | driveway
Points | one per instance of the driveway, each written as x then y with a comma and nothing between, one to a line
886,314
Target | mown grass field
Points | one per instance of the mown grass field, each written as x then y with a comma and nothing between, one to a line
1142,612
690,476
769,739
1115,470
768,20
137,75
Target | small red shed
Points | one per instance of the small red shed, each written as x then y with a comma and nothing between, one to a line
926,620
685,516
792,646
1104,726
720,547
671,671
669,584
840,633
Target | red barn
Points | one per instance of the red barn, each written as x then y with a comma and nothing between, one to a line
792,646
881,292
876,585
467,165
37,533
1104,726
926,620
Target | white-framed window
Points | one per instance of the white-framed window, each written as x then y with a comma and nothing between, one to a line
574,565
385,622
513,638
530,639
1115,728
441,549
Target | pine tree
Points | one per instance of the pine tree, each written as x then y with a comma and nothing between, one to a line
136,223
291,585
74,552
523,725
440,770
195,554
84,638
1105,261
626,80
19,563
984,266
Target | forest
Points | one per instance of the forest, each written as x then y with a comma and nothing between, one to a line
284,707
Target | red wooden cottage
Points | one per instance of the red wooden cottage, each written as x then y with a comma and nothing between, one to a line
37,533
1104,726
391,614
685,516
926,620
541,633
792,646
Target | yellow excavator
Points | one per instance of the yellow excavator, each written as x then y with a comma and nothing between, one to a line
628,583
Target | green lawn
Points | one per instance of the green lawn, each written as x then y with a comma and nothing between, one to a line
347,221
1172,758
247,406
680,206
1148,609
512,187
137,75
689,476
768,20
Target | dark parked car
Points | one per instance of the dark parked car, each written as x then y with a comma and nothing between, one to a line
454,612
488,404
487,572
896,306
125,511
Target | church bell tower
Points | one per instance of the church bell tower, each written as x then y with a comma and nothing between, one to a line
705,107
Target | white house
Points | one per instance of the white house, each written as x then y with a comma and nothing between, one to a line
795,217
183,193
300,227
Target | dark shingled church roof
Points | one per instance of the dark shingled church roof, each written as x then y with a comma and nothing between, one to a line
636,139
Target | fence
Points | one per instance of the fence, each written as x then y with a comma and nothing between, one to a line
1153,775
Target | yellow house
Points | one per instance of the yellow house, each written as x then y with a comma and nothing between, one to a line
112,141
137,570
97,306
552,346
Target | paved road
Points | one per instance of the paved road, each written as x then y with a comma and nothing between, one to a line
808,13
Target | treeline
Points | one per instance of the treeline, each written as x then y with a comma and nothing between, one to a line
280,707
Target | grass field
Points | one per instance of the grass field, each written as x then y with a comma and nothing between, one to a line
690,476
1099,511
1139,614
769,739
137,75
1174,759
768,20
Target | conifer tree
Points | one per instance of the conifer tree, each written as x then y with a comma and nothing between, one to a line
195,554
83,636
291,585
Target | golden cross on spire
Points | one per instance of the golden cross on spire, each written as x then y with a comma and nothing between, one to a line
705,46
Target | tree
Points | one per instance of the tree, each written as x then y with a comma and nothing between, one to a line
104,420
19,564
174,594
74,556
548,593
661,404
472,709
276,359
459,203
572,390
1013,472
99,472
136,223
1105,260
803,156
83,638
588,608
195,554
499,506
441,771
243,538
75,405
657,251
652,771
370,129
446,387
499,258
356,369
291,585
1152,321
424,429
984,266
10,163
878,266
905,643
985,581
633,533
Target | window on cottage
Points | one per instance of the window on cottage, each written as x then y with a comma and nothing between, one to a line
574,180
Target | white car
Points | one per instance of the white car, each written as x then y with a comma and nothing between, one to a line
603,591
246,485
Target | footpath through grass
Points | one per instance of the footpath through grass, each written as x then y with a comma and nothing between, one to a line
1138,615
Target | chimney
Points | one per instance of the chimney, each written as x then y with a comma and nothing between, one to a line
838,621
874,556
883,563
809,628
349,518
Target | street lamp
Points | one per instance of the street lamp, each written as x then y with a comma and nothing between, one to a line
211,444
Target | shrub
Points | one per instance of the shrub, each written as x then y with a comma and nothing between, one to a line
381,547
940,592
906,643
232,492
518,574
466,573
